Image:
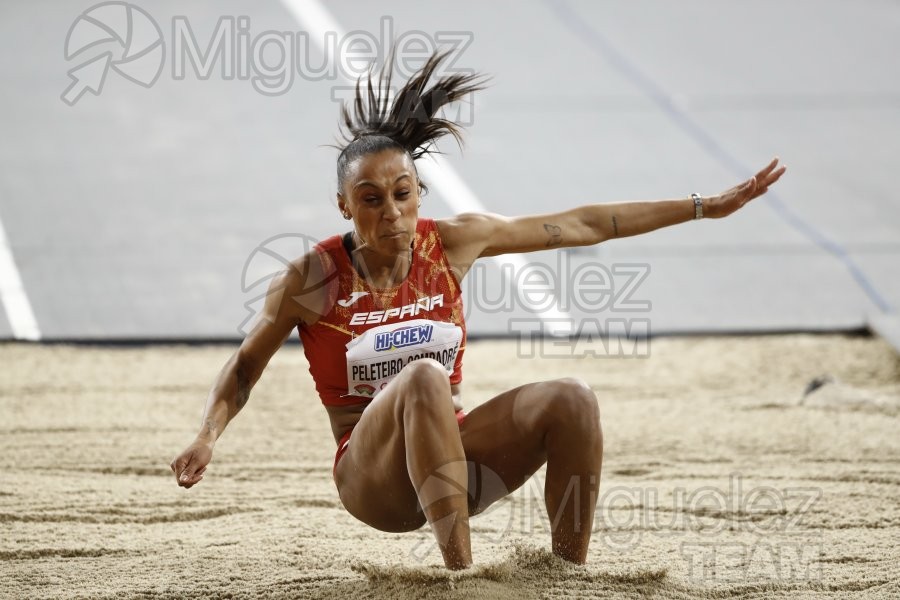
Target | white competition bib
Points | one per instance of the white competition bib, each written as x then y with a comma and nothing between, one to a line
376,357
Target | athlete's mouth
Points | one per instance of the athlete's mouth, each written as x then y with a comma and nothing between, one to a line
394,234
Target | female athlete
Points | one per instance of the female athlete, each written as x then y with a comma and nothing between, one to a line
379,312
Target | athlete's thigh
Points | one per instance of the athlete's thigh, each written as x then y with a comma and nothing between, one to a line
504,442
372,476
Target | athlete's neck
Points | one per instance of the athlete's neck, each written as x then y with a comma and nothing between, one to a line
380,270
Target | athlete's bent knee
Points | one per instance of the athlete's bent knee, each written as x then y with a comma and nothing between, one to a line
428,375
425,388
574,401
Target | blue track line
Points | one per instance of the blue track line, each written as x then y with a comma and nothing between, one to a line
603,47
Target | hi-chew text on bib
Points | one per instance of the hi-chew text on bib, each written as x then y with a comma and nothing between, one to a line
378,355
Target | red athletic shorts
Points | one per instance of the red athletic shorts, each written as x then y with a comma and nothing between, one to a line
344,442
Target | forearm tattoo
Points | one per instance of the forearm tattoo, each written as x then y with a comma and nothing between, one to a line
210,427
555,233
615,227
243,388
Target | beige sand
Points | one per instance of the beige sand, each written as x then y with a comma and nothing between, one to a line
718,480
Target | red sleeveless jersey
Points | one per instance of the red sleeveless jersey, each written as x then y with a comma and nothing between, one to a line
369,334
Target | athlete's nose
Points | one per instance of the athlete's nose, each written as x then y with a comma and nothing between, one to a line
391,210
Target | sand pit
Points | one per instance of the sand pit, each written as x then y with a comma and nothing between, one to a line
721,479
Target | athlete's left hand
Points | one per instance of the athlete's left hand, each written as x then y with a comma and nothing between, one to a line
722,205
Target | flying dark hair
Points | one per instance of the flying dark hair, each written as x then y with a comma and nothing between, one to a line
409,123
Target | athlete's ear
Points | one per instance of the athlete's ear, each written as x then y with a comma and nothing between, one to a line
342,206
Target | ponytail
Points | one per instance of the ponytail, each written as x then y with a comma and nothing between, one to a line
410,123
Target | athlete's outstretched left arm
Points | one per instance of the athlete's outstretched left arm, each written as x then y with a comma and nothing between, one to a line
474,235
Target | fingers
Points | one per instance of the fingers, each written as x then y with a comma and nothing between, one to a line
186,472
767,176
754,187
178,465
767,169
189,483
776,175
771,179
190,475
187,479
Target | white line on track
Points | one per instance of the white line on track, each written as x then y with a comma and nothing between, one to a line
13,296
317,21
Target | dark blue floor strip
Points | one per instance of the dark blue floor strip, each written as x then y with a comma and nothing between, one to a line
596,41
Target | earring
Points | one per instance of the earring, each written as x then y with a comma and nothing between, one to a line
347,216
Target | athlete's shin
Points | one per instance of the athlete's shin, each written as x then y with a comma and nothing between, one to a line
443,498
574,447
436,460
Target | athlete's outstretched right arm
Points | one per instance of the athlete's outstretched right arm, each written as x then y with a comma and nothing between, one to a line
281,315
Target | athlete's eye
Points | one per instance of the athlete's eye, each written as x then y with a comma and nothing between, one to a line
403,193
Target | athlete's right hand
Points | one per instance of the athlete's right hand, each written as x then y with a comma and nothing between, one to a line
190,465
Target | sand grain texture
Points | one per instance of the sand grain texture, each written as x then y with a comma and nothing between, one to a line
721,480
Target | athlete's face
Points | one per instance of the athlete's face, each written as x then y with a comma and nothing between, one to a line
381,193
